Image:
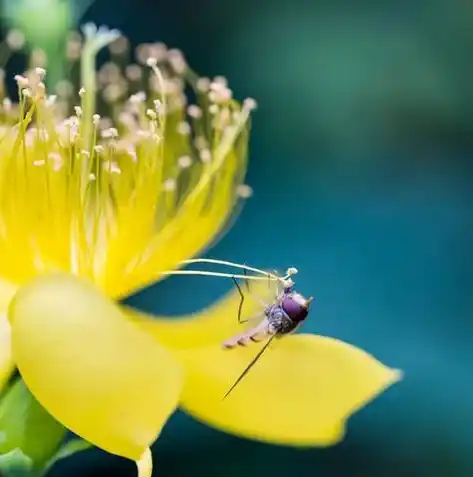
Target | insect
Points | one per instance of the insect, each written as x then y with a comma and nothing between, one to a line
277,319
281,317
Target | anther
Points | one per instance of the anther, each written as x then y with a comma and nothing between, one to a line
113,92
119,46
143,134
22,81
133,72
183,128
200,142
213,96
250,104
137,98
205,156
51,99
15,39
157,50
220,80
109,133
244,191
105,123
203,84
7,104
64,88
169,185
194,111
184,162
177,61
40,72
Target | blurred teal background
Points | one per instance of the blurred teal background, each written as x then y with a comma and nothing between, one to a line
362,165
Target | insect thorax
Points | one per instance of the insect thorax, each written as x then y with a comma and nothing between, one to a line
279,321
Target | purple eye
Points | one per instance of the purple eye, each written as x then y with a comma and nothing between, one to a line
295,309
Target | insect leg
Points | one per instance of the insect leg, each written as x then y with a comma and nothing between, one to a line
247,282
242,299
252,363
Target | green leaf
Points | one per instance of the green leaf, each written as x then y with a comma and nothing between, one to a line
55,16
50,33
16,464
26,425
68,449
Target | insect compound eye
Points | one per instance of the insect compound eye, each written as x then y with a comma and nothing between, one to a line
295,310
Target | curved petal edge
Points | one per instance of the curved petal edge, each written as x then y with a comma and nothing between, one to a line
90,367
300,393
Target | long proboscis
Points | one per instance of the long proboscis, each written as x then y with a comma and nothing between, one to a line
250,365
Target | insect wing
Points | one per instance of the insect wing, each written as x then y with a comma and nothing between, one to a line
255,333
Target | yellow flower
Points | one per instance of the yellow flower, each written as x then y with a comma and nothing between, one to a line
116,201
93,209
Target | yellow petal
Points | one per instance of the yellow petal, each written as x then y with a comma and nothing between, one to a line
299,393
6,361
210,326
90,367
7,290
145,464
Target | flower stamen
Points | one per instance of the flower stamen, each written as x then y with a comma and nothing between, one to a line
108,196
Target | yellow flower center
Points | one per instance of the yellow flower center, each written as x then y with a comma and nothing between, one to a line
120,198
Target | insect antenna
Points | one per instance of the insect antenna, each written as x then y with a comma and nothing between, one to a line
264,275
213,274
252,363
243,267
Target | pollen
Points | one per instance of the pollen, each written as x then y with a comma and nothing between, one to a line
119,177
